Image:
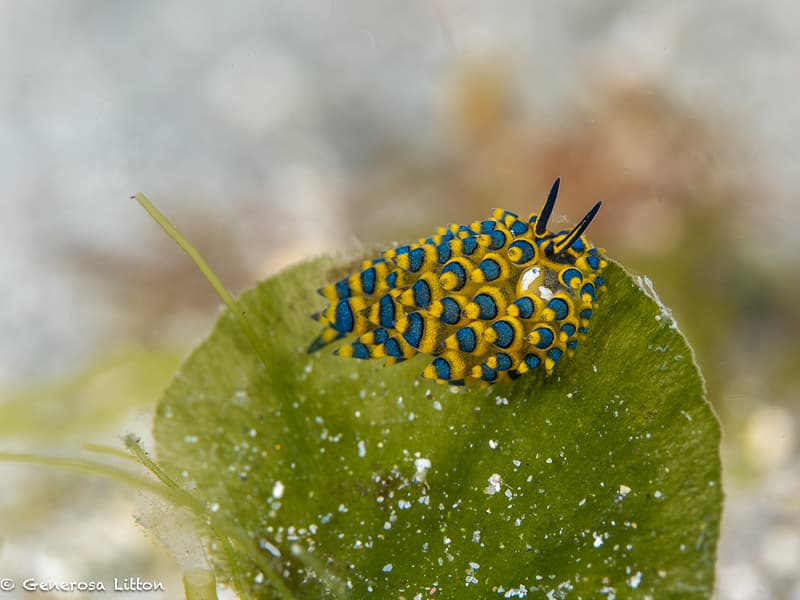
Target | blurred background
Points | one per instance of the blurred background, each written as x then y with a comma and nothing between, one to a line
271,131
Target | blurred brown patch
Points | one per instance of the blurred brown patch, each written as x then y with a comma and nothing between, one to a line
151,291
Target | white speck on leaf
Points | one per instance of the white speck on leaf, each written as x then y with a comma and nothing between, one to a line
519,592
422,465
646,285
495,483
277,490
269,547
635,579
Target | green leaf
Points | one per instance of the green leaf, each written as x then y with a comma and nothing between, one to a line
602,480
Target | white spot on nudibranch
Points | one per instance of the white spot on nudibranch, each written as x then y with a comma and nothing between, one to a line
527,279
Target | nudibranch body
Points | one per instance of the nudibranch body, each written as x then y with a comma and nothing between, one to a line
488,301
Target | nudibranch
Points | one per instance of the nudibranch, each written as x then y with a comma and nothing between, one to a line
488,301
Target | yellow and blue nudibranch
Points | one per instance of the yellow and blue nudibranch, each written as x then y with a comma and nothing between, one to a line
488,301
